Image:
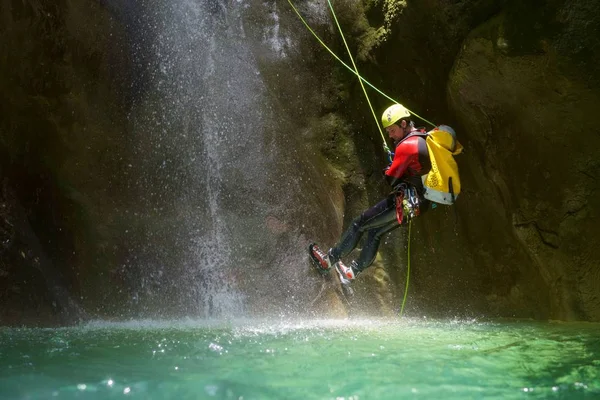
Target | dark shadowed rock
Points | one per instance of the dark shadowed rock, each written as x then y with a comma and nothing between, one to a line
166,159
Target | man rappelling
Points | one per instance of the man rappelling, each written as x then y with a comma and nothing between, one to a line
415,151
422,170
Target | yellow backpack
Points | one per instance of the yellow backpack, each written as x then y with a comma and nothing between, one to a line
442,183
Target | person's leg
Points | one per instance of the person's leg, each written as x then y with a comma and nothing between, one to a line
374,235
381,214
369,250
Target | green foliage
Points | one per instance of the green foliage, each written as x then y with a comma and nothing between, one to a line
370,40
335,144
363,34
391,10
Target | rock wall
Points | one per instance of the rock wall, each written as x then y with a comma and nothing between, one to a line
60,73
520,84
527,103
104,200
517,81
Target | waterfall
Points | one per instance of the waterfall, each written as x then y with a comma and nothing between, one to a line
168,156
218,172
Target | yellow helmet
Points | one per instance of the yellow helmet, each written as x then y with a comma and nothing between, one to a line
393,113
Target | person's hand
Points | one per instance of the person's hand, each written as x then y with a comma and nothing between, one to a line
388,152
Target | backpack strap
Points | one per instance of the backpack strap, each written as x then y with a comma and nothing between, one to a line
418,132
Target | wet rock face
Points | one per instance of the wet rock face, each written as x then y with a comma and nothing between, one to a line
23,295
527,103
85,227
520,84
104,153
59,147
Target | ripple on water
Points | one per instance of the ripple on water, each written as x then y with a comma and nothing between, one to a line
363,358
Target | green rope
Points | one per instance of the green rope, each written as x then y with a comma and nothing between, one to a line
357,74
407,270
350,68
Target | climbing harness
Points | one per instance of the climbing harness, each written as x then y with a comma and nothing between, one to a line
411,205
408,205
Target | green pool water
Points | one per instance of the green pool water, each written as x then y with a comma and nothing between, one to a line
312,359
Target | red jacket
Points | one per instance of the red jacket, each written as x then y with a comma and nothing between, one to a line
411,161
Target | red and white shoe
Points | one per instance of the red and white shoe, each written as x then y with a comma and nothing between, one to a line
320,260
346,274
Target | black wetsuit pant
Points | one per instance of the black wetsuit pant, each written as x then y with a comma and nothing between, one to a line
376,222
